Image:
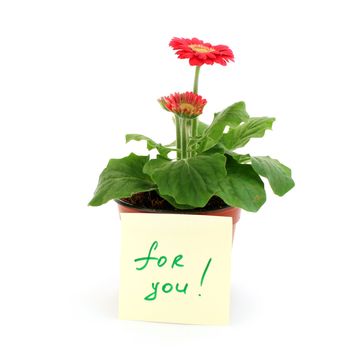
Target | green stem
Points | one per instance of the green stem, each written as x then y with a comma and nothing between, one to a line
194,128
178,137
194,122
196,77
189,132
183,139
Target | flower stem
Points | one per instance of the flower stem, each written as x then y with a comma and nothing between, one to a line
178,137
196,76
194,122
194,128
189,131
184,138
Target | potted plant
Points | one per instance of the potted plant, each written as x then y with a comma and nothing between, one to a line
205,175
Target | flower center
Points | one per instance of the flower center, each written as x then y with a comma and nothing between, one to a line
184,106
201,48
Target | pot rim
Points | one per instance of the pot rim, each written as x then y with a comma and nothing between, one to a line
168,211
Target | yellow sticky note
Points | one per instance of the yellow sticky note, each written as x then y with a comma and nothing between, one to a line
175,268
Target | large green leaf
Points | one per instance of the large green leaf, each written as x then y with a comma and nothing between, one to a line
231,116
240,158
155,164
279,176
189,181
219,148
162,150
242,187
122,178
240,135
176,205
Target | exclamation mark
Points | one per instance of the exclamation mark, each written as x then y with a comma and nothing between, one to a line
204,273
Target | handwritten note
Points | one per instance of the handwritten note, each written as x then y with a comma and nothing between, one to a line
175,268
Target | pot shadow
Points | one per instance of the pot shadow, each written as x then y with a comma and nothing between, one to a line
243,306
103,302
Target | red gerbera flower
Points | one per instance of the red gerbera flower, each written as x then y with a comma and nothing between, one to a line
200,53
186,105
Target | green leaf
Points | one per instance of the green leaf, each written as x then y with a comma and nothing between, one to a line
231,116
219,148
242,187
155,164
122,178
172,201
162,150
240,158
172,144
240,135
279,176
201,128
190,181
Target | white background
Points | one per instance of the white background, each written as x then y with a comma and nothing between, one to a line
77,75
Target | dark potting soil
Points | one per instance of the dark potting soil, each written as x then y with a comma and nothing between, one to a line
151,200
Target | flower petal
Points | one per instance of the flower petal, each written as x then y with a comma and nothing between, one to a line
199,52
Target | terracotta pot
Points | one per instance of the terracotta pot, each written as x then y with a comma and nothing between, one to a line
234,213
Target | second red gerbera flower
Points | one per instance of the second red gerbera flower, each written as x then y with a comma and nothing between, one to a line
185,105
200,53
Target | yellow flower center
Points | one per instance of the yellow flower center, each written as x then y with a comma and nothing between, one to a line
187,107
201,48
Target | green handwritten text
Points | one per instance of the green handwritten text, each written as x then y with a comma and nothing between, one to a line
166,288
161,261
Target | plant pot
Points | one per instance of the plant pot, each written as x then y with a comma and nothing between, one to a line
234,213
